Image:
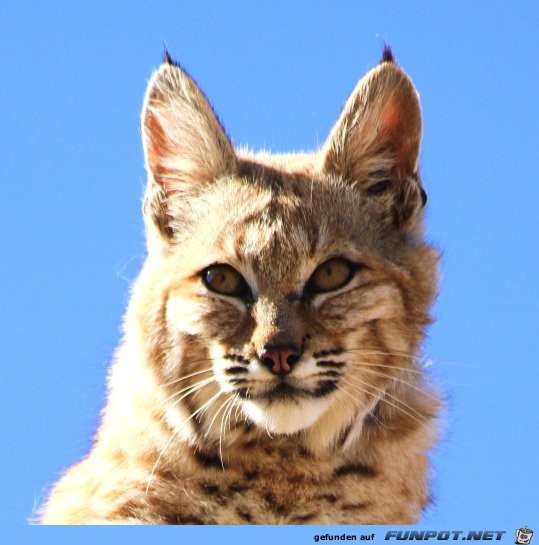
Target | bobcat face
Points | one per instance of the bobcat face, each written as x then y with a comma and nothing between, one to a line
287,289
285,298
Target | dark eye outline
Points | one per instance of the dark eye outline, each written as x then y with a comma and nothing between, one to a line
242,291
311,289
378,188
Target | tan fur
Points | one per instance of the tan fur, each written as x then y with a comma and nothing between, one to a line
190,433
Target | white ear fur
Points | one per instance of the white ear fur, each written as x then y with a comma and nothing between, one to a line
184,143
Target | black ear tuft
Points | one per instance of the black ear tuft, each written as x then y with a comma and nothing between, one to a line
167,59
387,54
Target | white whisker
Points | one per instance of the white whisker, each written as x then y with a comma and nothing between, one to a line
231,401
402,381
207,370
216,415
422,359
175,432
408,410
196,386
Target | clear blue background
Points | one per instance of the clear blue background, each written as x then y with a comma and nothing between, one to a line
73,75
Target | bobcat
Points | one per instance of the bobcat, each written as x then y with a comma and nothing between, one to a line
269,371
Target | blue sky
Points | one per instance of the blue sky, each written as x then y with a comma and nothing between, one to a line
73,77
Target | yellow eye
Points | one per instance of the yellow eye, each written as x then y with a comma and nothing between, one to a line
331,275
225,280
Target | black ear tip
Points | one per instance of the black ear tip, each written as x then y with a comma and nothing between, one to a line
167,59
387,54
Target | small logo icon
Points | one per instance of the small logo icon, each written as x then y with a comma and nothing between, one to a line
524,535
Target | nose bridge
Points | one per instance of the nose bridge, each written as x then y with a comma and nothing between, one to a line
277,324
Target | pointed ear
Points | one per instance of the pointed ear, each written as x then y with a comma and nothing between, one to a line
379,127
375,143
184,144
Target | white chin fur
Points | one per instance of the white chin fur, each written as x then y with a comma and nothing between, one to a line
285,417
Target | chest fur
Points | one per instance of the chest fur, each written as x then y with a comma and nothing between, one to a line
280,485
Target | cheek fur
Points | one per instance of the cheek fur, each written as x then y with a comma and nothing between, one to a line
203,316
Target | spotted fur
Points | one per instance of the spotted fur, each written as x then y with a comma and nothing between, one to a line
198,428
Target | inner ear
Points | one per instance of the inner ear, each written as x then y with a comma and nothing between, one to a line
400,127
185,145
158,147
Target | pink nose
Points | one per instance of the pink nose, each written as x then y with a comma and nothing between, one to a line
279,359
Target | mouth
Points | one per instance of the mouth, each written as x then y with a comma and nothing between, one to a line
283,391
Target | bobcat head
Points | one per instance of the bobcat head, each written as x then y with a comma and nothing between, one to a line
286,291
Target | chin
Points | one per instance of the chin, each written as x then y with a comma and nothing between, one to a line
285,417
